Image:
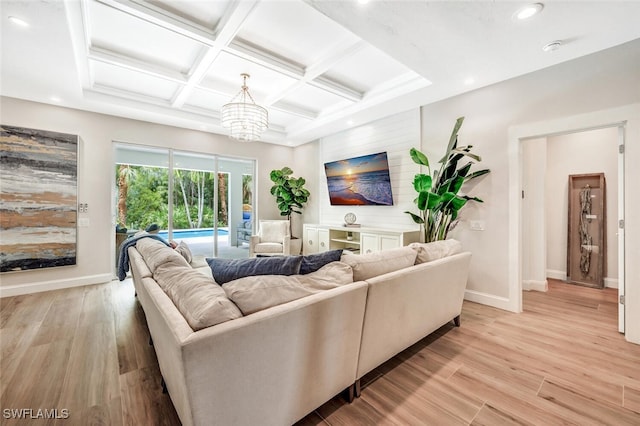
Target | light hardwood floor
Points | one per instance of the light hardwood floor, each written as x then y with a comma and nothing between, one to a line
562,361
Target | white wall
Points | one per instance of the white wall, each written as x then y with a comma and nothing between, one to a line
594,151
96,243
396,135
534,242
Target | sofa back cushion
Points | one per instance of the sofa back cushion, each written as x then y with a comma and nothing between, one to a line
435,250
225,270
370,265
199,299
255,293
273,231
156,253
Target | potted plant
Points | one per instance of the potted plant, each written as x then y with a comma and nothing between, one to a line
439,199
289,192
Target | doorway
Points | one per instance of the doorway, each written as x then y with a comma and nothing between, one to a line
530,258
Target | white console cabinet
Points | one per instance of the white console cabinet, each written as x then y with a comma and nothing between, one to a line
319,238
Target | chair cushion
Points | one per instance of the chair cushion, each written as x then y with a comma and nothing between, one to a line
253,294
371,265
268,248
225,270
273,231
435,250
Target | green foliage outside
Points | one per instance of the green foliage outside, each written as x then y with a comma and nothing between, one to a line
147,197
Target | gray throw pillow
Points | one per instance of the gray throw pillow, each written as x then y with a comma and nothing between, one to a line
313,262
225,270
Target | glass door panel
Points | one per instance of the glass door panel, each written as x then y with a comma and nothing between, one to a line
193,202
235,206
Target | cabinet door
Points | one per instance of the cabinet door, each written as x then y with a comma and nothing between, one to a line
310,240
323,240
389,242
369,243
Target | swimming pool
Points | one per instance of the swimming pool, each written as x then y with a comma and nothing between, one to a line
192,233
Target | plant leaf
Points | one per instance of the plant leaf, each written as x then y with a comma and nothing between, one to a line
418,157
417,219
422,182
453,140
477,174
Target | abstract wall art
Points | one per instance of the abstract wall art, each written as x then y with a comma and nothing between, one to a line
38,198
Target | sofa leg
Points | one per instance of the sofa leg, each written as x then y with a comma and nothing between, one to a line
356,388
349,394
150,340
164,387
456,321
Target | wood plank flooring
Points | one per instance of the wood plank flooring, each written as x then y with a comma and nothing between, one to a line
562,361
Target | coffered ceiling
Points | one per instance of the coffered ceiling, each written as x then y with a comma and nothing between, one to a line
317,66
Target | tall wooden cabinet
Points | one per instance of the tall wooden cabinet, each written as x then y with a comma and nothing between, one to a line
586,242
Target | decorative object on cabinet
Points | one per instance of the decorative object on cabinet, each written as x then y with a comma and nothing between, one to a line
39,198
438,198
290,193
586,238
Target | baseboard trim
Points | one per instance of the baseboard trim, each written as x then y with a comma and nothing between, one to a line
488,299
19,289
557,275
611,282
533,285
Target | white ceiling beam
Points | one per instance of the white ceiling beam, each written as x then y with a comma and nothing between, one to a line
226,30
314,71
250,52
113,58
162,18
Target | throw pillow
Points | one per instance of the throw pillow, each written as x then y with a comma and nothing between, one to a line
225,270
253,294
184,250
371,265
435,250
313,262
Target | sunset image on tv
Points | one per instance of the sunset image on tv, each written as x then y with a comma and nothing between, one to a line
360,181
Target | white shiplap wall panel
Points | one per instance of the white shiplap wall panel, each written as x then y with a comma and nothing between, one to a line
396,135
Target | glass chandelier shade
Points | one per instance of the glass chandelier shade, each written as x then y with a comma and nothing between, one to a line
243,117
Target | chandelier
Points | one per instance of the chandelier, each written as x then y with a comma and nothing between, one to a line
245,120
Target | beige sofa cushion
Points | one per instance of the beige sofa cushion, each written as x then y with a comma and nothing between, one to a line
435,250
255,293
370,265
199,299
156,253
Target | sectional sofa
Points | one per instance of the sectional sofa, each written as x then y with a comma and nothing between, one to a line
270,349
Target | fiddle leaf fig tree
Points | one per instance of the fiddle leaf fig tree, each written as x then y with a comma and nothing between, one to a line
439,199
289,191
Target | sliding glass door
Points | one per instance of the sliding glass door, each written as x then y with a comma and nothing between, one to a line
204,200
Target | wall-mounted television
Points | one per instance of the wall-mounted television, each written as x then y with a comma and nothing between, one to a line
360,181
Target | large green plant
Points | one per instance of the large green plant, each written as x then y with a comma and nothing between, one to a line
439,200
289,192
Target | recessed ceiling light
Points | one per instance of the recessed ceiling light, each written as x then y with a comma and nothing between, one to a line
18,21
363,1
528,11
469,81
55,99
350,122
554,45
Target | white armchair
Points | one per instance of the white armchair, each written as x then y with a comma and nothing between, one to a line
274,238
